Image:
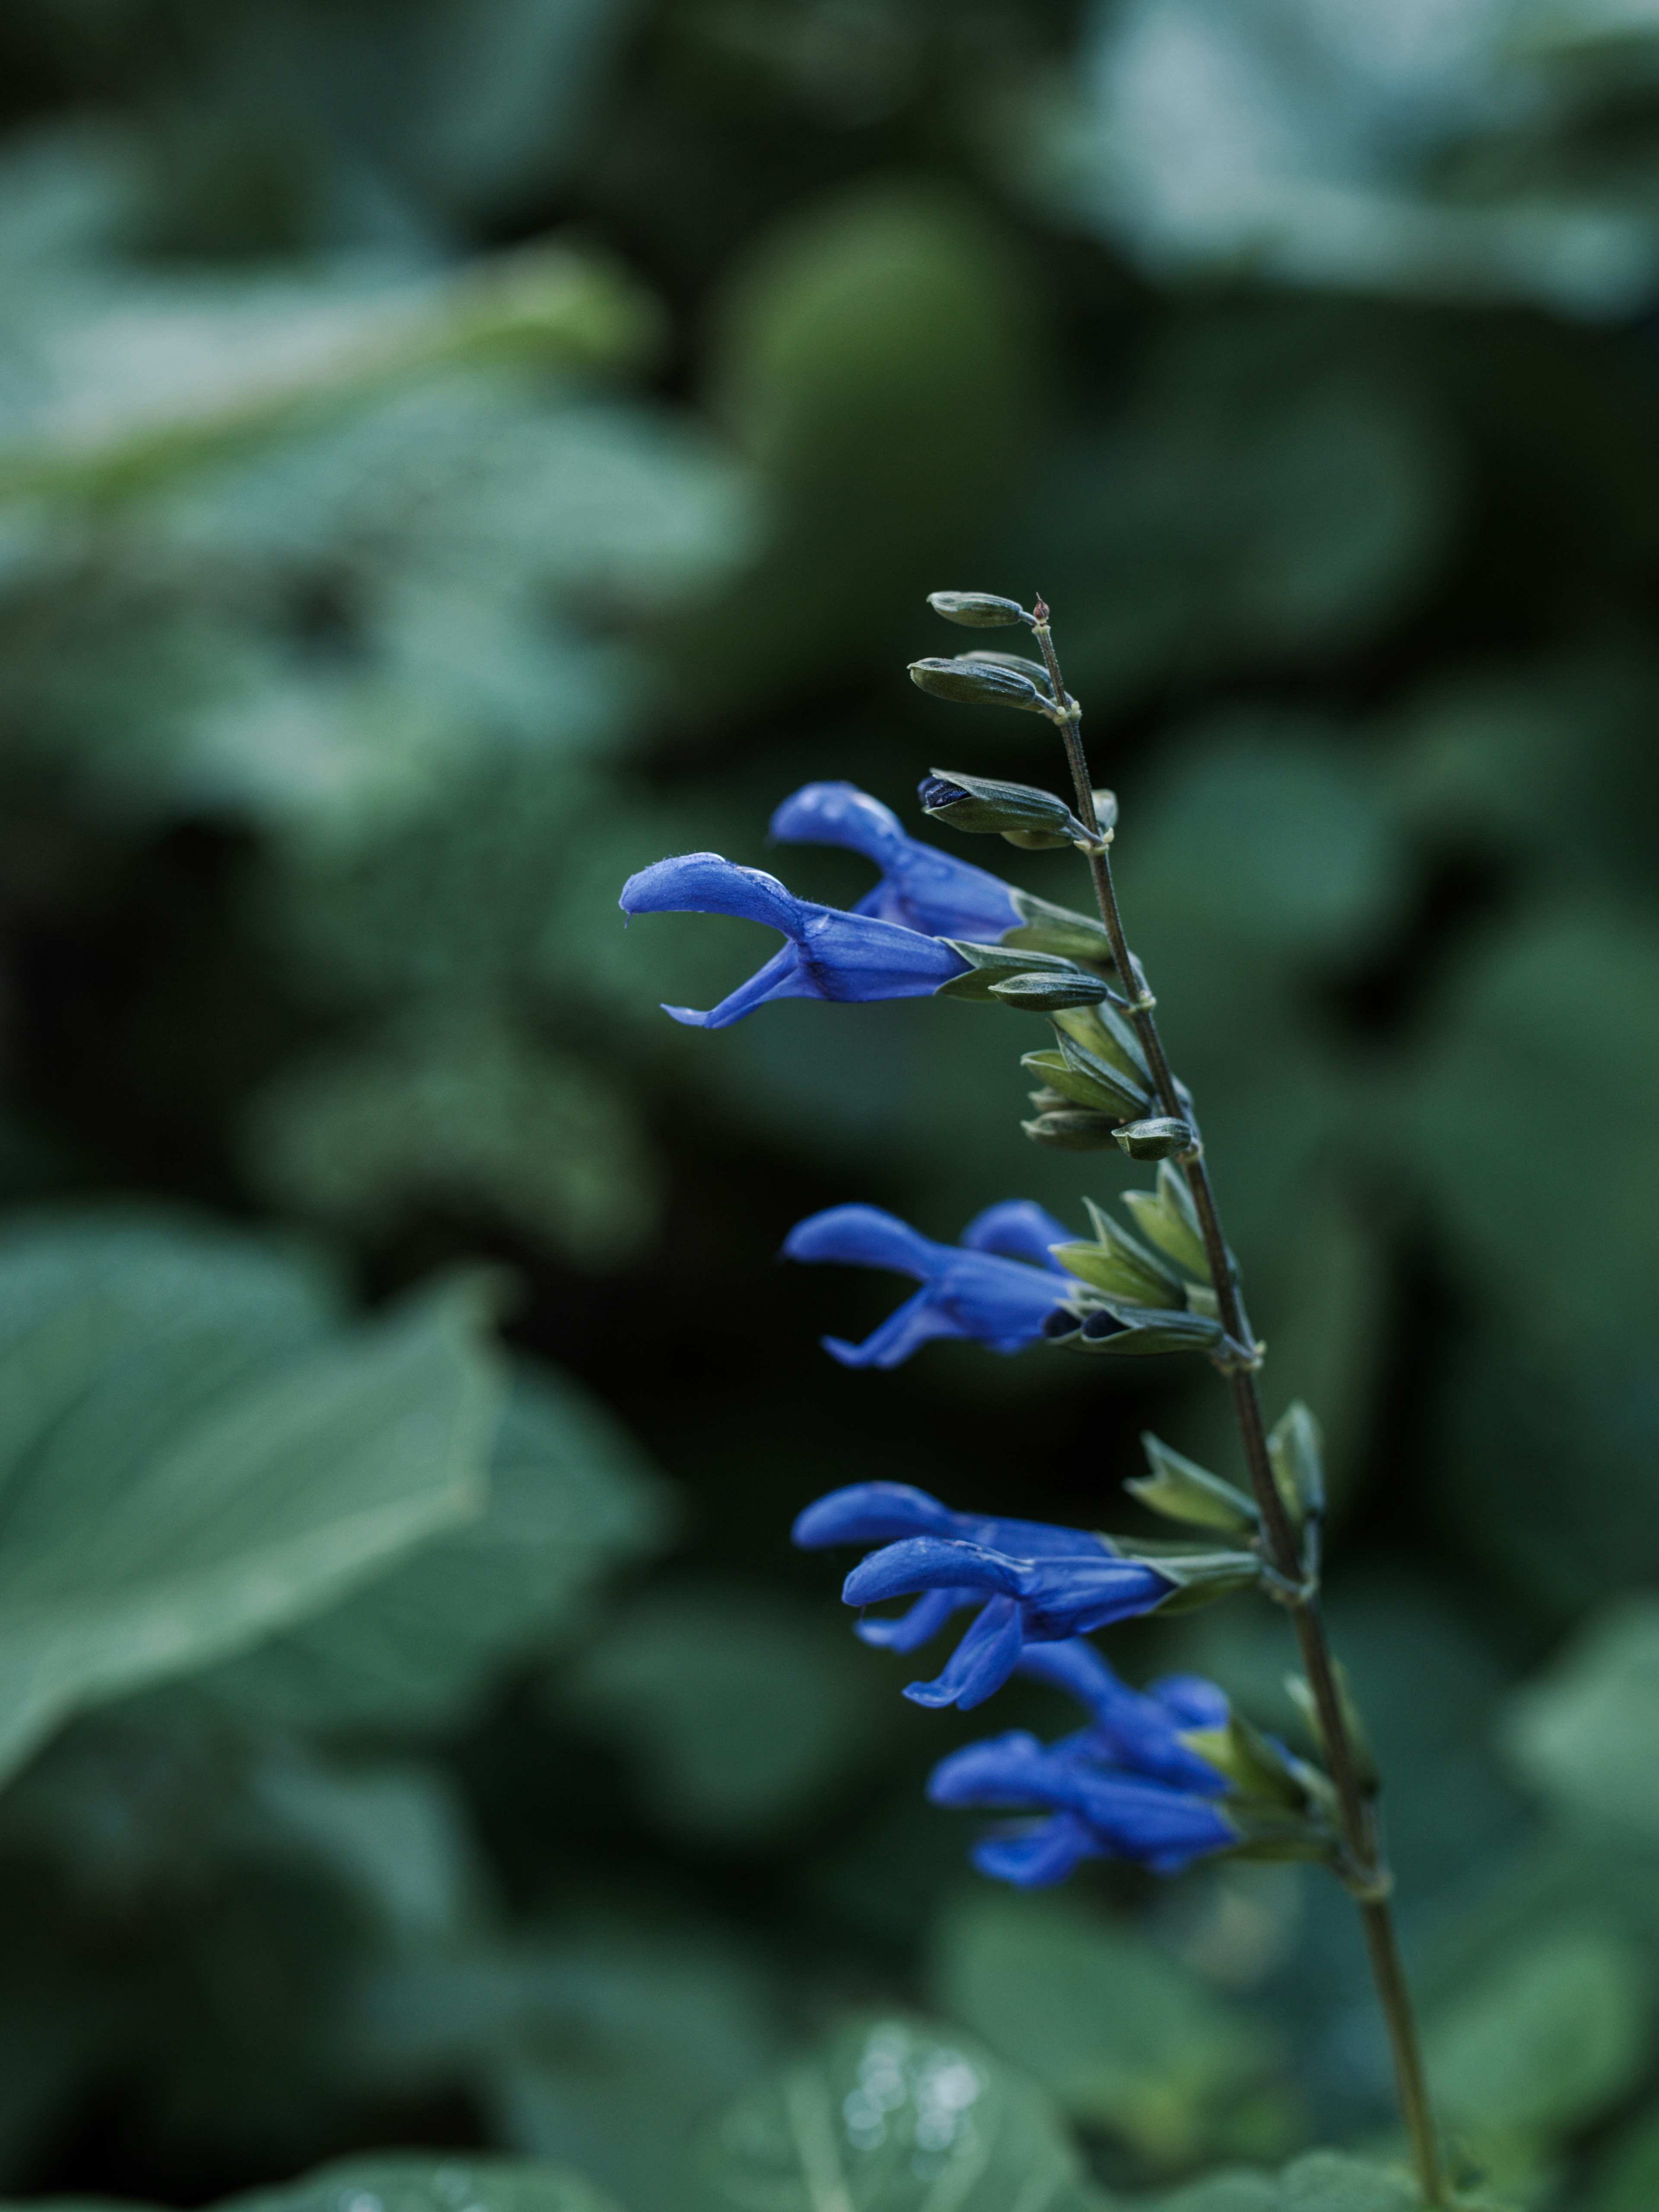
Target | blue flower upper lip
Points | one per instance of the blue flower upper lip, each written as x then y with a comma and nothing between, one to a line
977,1289
831,955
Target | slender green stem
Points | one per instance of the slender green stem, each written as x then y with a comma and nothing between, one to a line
1365,1869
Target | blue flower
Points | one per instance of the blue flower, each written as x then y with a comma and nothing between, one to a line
1139,1730
829,954
998,1286
1033,1584
921,887
1096,1810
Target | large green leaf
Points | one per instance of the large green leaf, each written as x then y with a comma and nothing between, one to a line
188,1463
464,2184
1126,2039
894,2116
570,1497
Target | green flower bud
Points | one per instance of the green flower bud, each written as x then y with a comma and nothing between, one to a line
1033,671
1158,1139
1039,993
1071,1129
969,683
985,807
977,609
1179,1488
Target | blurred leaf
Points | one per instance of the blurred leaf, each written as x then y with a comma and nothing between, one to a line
182,1477
1586,1732
1127,2040
879,355
1551,2037
739,1708
570,1498
608,2048
894,2116
469,1108
465,2182
1323,2181
1628,2174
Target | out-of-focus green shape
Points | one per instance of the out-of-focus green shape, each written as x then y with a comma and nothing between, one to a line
195,1454
468,1107
894,2114
1553,2034
1323,2181
465,2182
1586,1733
1539,1023
285,362
1628,2173
608,2047
1264,494
1129,2041
570,1499
879,356
739,1710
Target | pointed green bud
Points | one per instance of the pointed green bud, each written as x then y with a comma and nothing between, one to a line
1019,811
1168,1218
1296,1449
1041,993
1182,1491
1124,1328
1200,1572
1071,1129
968,682
1252,1761
978,609
1117,1266
1032,671
1158,1139
1359,1743
1105,1035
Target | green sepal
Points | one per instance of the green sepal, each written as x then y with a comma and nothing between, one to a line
1201,1573
1103,1031
967,683
1267,1836
1039,991
986,806
1166,1217
977,609
1127,1084
1179,1488
1295,1449
1047,928
1359,1743
1151,1329
1085,1080
1120,1267
1160,1139
1071,1129
990,963
1252,1761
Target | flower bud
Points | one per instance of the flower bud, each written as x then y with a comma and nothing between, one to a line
983,806
977,609
971,683
1041,991
1071,1129
1157,1139
1033,671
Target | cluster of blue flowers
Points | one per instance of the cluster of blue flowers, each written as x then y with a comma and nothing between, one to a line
1127,1785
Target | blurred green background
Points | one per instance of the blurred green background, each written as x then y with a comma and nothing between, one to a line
452,455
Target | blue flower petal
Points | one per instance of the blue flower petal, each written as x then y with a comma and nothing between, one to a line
871,1513
918,1625
916,1322
1019,1229
920,1563
704,883
1191,1701
864,1237
1037,1856
921,888
981,1663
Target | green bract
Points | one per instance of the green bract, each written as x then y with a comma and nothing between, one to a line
977,609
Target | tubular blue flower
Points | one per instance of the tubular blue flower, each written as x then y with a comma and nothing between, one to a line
1099,1812
848,957
1139,1730
1035,1584
998,1286
921,887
